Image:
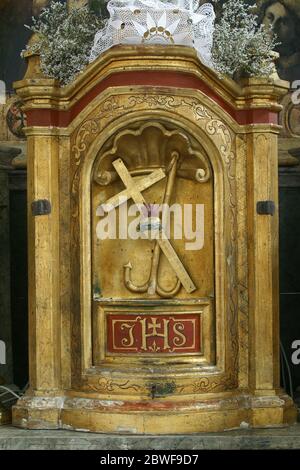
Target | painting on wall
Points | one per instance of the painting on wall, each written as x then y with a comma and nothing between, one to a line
284,18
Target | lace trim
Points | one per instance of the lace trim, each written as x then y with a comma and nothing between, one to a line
157,22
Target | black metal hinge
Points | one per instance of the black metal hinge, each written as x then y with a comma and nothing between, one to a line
41,207
266,207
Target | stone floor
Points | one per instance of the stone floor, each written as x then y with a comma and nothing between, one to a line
283,438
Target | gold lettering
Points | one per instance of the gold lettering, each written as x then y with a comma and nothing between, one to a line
150,330
177,328
128,342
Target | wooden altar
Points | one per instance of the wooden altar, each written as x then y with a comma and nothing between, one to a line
152,334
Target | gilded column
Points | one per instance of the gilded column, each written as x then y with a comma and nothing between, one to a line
44,279
263,260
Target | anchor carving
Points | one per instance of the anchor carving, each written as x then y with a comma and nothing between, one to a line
162,243
152,285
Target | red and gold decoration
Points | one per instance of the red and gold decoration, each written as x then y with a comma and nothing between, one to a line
148,334
152,334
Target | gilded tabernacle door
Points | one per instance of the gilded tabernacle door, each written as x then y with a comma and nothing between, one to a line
153,255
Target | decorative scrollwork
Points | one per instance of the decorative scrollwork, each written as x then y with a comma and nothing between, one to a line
207,384
104,385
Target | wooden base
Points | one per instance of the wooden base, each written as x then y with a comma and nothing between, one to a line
157,417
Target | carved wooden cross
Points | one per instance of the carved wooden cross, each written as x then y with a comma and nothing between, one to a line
134,191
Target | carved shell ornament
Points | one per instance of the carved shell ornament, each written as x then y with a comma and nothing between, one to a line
150,147
180,22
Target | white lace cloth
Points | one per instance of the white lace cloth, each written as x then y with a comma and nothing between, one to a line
158,22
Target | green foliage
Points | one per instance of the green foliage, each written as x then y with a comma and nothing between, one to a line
65,40
242,47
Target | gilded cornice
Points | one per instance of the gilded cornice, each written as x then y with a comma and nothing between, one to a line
43,93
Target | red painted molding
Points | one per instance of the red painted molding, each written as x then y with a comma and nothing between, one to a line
56,118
